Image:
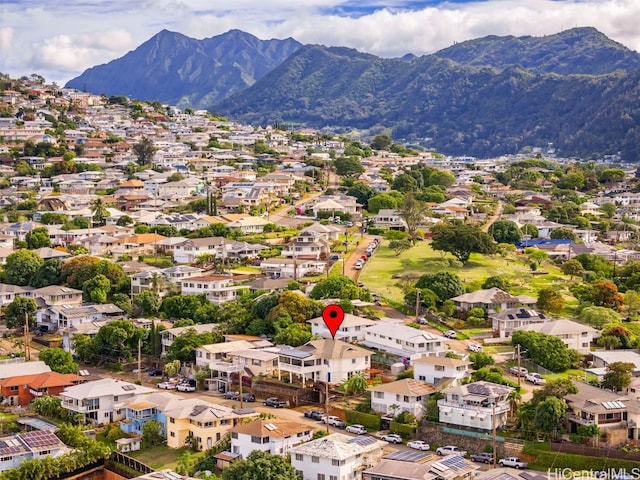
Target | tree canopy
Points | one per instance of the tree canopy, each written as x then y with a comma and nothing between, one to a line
260,465
461,240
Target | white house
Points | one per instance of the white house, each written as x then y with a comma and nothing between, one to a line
336,457
403,341
218,289
274,436
432,369
323,361
168,336
161,280
188,251
406,395
291,267
491,299
101,401
248,225
207,354
308,246
480,405
389,218
508,321
33,445
70,316
574,335
351,329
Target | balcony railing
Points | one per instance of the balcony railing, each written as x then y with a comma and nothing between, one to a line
499,408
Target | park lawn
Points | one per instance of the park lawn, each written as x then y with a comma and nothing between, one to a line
242,270
572,374
378,273
495,349
159,456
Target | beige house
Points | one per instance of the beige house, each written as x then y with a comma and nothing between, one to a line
574,335
406,395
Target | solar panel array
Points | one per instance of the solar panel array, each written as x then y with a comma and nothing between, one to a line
407,456
39,438
10,445
478,389
613,405
454,462
128,387
532,476
363,440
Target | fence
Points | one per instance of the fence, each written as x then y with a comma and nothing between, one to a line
473,433
132,463
593,451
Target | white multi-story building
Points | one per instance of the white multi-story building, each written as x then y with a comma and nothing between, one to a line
405,342
432,369
330,361
574,335
482,405
351,329
406,395
274,436
218,289
336,457
101,401
34,445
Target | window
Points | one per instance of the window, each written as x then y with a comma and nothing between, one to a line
353,361
333,477
378,394
321,476
422,377
172,420
173,434
299,457
439,368
234,435
315,459
255,439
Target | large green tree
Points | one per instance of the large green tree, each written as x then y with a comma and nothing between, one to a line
445,285
550,300
21,267
618,375
260,465
348,167
337,286
413,212
144,151
183,346
20,309
461,240
505,231
49,273
59,360
38,238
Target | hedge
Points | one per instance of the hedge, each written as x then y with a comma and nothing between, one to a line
368,420
405,431
580,462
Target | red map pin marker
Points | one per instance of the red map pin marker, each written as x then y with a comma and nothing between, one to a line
333,315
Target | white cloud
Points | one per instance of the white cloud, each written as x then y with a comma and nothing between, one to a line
61,39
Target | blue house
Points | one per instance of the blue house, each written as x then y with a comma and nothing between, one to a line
143,408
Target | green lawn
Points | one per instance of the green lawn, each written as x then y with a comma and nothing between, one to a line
379,272
160,456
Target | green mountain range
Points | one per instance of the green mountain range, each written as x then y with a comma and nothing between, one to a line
577,90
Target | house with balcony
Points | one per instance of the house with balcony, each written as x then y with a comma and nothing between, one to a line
402,341
168,336
433,369
63,317
406,395
616,414
576,336
291,267
307,246
218,289
57,295
206,422
8,293
504,323
34,445
21,389
482,405
336,457
215,352
274,436
100,402
161,280
189,250
331,361
141,409
248,225
351,329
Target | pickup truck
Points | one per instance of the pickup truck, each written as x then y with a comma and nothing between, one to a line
535,378
450,450
523,371
275,402
514,462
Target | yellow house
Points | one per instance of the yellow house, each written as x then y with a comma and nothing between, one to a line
206,422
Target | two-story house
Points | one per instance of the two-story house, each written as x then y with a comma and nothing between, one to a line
389,218
504,323
168,336
34,445
291,267
100,401
307,246
402,341
482,405
215,352
205,422
189,250
331,361
162,280
433,369
275,436
336,457
141,409
574,335
63,317
21,389
351,329
218,289
406,395
491,300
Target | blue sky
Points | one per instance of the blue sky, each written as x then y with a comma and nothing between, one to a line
60,39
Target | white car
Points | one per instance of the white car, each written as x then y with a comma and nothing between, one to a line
359,429
514,462
167,385
418,445
450,450
535,378
392,438
450,334
474,347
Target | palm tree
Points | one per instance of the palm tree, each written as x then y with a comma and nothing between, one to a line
100,212
514,398
156,281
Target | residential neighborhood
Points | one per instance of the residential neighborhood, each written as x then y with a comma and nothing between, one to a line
165,275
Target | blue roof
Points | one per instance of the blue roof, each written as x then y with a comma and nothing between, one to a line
543,241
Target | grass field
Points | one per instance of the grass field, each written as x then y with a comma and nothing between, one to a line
381,272
160,456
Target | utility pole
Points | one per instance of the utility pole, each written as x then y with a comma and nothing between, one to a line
493,416
326,400
27,348
240,375
518,353
140,360
417,304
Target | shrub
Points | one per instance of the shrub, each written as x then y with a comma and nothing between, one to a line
369,420
405,431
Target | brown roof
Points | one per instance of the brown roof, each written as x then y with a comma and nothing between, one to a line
264,428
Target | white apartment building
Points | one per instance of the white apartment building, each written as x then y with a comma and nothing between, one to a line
351,329
275,436
480,405
218,289
432,369
403,341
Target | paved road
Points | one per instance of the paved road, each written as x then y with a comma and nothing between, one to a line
360,250
495,217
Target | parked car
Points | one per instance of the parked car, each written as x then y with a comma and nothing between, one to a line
392,438
331,420
422,320
334,257
229,395
450,334
514,462
187,385
246,397
535,378
313,414
167,385
418,445
522,371
355,428
155,372
450,450
482,457
275,402
474,347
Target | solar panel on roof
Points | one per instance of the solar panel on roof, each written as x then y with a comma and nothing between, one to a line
407,456
296,353
454,462
363,440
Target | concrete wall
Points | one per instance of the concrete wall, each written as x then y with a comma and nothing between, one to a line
434,435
